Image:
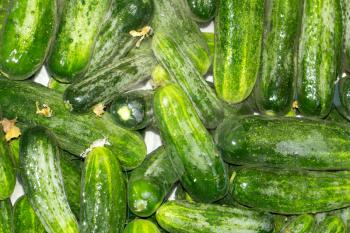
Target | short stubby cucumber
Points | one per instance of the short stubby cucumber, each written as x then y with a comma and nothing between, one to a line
141,225
7,171
345,4
301,224
331,224
203,10
6,216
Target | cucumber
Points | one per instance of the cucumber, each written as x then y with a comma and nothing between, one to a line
160,77
133,110
4,6
319,54
24,218
6,216
345,4
332,224
342,99
59,87
302,224
149,184
291,191
274,90
279,221
181,71
83,130
179,216
141,225
76,36
26,37
114,40
7,171
192,148
103,193
42,180
268,141
238,39
203,10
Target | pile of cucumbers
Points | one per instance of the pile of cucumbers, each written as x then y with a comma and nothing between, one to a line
263,148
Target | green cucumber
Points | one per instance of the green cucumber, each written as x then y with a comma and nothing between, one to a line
203,10
291,191
83,130
342,99
160,77
275,142
55,85
76,36
179,216
181,71
345,4
192,148
43,182
7,171
26,37
279,221
332,224
301,224
103,193
319,56
274,90
6,216
25,219
141,225
149,184
4,6
238,39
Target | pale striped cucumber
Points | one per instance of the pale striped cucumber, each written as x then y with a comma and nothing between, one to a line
6,216
345,4
141,225
331,224
7,171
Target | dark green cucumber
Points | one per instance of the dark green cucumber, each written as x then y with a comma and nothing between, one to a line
345,4
179,216
83,130
105,84
6,216
103,193
319,56
302,224
181,71
192,148
25,219
342,97
285,142
7,171
149,184
291,191
332,224
133,110
274,91
141,225
26,37
238,38
43,182
114,40
4,7
203,10
76,36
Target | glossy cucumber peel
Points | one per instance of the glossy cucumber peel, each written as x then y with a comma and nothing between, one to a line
43,182
291,191
4,6
7,171
345,4
203,10
26,37
6,216
238,39
331,224
204,175
141,225
319,56
301,224
83,130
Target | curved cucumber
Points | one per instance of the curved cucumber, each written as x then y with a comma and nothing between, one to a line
7,171
192,148
43,182
302,224
4,7
103,193
345,4
24,218
6,216
291,191
319,54
179,216
239,32
332,224
26,37
149,184
75,40
203,10
141,225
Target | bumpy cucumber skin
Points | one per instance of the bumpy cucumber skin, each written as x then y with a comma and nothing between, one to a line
141,225
274,90
6,216
25,219
203,10
345,4
275,142
4,6
181,71
76,36
7,171
319,56
149,184
238,39
83,130
103,193
291,191
193,152
26,37
180,216
43,182
332,224
302,224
